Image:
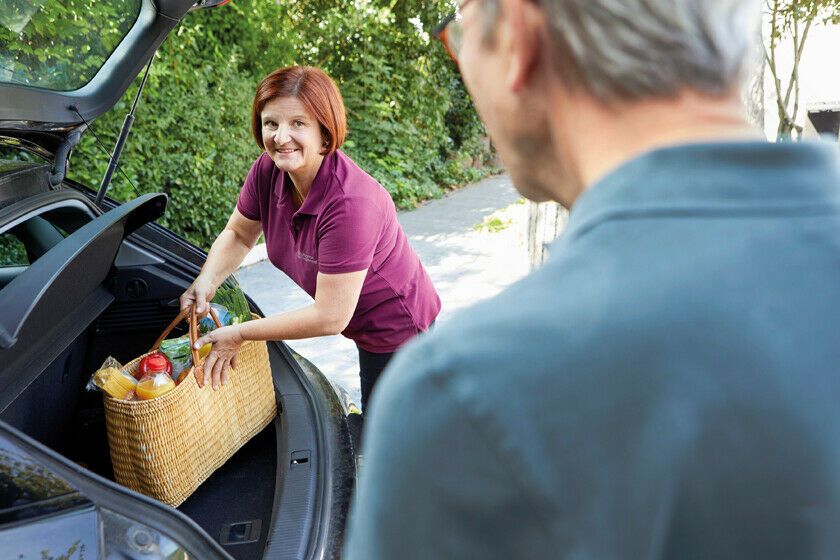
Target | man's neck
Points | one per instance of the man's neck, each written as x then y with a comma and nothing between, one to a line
593,139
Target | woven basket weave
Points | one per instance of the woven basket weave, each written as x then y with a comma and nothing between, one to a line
167,446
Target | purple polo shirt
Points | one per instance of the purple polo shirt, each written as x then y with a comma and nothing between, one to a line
347,223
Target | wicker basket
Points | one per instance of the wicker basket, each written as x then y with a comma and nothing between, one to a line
167,446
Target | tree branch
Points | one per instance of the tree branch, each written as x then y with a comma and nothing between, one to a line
793,69
781,108
796,68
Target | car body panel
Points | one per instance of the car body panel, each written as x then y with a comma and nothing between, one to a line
75,267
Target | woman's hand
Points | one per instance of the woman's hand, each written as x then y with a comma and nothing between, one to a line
199,293
223,355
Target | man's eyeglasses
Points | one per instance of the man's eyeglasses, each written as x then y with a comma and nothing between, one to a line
450,33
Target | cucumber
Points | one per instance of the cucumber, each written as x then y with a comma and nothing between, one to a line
231,296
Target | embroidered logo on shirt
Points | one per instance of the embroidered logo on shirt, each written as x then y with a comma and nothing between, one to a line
306,257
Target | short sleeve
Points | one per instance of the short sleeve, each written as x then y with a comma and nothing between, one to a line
348,235
249,198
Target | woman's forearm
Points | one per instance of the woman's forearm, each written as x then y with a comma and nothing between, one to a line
307,322
226,254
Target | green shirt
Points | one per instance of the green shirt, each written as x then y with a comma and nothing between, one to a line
667,385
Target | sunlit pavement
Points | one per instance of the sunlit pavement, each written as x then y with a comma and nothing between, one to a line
467,263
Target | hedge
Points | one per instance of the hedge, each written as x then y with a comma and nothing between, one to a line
410,121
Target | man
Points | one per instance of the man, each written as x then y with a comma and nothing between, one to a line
666,385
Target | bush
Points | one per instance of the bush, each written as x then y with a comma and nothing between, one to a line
410,121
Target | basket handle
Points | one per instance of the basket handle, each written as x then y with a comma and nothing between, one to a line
189,314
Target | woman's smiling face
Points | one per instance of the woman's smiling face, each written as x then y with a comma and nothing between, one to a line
291,135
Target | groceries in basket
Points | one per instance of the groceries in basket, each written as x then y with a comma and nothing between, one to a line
151,379
207,324
154,385
111,378
171,360
153,362
179,354
155,373
148,437
230,296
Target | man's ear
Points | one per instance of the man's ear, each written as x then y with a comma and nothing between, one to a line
526,21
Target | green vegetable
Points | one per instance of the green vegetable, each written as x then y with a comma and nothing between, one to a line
176,347
231,296
178,352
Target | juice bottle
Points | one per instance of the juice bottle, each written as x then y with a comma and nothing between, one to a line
154,385
155,380
154,362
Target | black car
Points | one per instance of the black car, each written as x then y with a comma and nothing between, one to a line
81,278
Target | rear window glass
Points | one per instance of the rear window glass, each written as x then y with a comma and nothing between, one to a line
60,44
12,251
29,240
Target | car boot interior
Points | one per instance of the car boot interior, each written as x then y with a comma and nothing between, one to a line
80,286
235,505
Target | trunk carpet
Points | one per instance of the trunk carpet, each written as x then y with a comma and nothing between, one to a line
240,492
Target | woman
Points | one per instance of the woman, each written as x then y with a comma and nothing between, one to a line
327,224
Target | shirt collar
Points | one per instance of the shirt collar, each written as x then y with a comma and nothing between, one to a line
316,196
710,177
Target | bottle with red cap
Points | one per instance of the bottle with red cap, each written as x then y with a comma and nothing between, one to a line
154,372
153,362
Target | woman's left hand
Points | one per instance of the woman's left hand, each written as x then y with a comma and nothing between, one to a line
226,342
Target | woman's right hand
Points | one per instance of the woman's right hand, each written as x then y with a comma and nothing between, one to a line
199,294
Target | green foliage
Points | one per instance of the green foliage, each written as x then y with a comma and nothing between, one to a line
411,124
12,251
493,224
60,44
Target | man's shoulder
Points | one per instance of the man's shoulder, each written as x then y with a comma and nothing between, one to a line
556,323
532,320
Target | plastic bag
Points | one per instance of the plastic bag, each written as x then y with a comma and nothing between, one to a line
206,324
178,352
111,378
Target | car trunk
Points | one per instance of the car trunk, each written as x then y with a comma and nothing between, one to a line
97,293
284,494
88,309
236,504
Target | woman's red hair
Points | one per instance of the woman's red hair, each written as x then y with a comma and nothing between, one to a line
315,90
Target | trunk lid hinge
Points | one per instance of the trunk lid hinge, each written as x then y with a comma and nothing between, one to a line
62,155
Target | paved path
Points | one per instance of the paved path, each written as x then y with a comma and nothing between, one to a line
466,261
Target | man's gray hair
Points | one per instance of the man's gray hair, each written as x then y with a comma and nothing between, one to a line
633,49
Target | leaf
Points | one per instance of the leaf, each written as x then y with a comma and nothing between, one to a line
411,124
